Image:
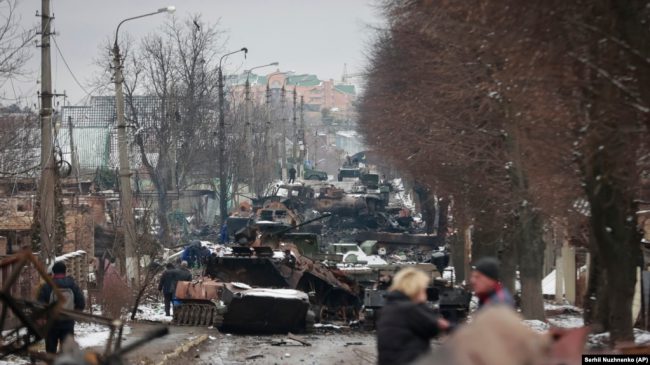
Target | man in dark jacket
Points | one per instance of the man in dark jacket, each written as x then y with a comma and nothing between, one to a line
184,273
486,285
292,175
406,325
167,285
74,299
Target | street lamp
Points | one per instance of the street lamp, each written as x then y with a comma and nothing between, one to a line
132,269
223,186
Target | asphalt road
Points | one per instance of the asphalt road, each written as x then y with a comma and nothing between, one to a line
340,347
323,346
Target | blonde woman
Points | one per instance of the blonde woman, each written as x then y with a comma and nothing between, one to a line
406,326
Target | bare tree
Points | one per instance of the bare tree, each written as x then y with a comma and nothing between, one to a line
14,41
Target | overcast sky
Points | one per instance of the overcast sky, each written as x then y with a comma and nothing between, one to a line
308,36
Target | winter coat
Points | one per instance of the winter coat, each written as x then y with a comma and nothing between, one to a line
404,330
500,295
171,277
63,282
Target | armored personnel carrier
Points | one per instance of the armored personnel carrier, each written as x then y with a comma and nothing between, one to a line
240,308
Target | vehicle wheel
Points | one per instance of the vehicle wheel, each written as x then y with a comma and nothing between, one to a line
312,177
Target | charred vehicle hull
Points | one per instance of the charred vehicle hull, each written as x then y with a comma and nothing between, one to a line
239,308
331,293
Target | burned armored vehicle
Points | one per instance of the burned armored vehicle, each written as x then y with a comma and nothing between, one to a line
452,302
271,255
240,308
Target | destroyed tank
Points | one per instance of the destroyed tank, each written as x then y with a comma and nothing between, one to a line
338,202
270,256
240,308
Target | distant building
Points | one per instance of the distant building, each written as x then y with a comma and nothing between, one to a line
318,94
350,142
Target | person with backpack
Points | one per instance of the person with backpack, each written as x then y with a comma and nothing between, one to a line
74,300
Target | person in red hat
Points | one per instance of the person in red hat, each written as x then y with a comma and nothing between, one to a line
486,285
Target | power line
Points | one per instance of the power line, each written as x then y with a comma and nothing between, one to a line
68,67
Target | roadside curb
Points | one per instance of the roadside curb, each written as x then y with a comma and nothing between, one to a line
183,349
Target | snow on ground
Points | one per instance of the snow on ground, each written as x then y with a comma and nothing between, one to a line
567,308
537,325
154,312
566,321
93,335
13,360
601,340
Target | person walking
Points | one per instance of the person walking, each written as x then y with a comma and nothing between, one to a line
292,175
167,286
73,300
486,285
406,325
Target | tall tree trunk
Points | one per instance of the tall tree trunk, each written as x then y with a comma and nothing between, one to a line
531,263
596,311
618,240
507,254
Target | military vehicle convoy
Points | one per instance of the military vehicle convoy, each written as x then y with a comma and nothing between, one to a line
278,276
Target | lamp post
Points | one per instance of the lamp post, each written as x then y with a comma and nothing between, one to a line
128,221
249,126
223,185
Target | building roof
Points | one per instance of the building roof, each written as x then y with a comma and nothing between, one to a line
240,79
346,89
348,134
303,80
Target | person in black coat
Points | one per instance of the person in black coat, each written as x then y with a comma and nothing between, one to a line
74,299
406,325
167,286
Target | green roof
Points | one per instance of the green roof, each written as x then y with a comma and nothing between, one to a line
346,89
303,80
240,79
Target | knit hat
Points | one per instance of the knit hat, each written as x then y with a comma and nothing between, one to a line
488,266
59,268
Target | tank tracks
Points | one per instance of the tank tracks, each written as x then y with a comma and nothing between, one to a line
197,314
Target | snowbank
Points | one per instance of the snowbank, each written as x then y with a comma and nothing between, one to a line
154,312
277,293
13,360
566,321
601,340
93,335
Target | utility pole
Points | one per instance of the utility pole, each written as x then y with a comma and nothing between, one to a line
301,135
268,148
47,212
128,220
294,149
126,195
283,102
249,132
223,187
73,154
